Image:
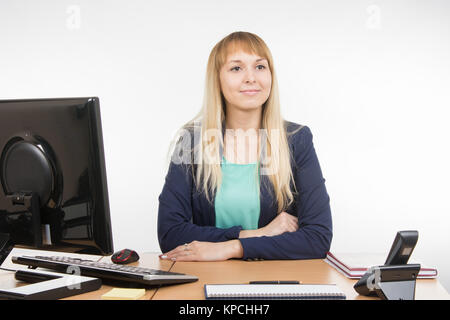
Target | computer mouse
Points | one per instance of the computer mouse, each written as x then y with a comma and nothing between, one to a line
125,256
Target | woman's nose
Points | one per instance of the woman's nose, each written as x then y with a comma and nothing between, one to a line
249,76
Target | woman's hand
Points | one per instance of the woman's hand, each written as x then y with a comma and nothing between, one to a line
284,222
205,251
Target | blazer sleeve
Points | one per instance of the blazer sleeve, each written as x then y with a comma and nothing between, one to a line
312,240
175,226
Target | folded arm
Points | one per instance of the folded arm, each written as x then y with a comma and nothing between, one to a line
313,237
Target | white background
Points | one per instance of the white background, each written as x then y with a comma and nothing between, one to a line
370,78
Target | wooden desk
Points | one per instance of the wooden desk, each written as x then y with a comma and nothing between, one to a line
237,271
306,271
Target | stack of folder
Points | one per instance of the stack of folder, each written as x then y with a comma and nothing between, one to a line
354,266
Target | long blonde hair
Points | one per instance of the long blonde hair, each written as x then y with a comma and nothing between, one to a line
207,153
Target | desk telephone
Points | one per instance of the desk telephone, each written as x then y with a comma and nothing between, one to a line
395,280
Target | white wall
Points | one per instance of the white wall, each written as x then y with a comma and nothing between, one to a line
371,79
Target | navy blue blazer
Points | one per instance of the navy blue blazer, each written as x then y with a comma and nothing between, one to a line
185,215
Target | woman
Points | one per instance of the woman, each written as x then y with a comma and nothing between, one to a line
243,182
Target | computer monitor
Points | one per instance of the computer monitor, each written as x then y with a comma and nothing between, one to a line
53,192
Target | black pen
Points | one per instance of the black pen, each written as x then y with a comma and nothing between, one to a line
276,282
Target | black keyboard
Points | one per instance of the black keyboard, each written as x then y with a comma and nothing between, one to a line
105,271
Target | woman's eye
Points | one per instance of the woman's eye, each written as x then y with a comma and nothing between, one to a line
263,67
234,68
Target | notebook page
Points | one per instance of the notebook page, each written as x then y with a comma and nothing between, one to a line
244,290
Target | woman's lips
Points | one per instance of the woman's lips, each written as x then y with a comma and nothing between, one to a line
250,92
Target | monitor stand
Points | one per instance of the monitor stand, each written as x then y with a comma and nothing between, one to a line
30,202
5,246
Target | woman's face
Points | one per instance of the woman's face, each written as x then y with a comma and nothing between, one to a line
245,80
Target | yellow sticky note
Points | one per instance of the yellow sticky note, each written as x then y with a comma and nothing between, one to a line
123,294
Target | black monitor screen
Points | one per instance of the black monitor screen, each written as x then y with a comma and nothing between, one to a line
53,192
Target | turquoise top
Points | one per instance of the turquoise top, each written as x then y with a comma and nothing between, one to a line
237,201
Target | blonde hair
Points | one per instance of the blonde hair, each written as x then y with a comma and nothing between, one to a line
273,151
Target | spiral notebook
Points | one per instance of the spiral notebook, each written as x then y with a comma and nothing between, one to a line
273,291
